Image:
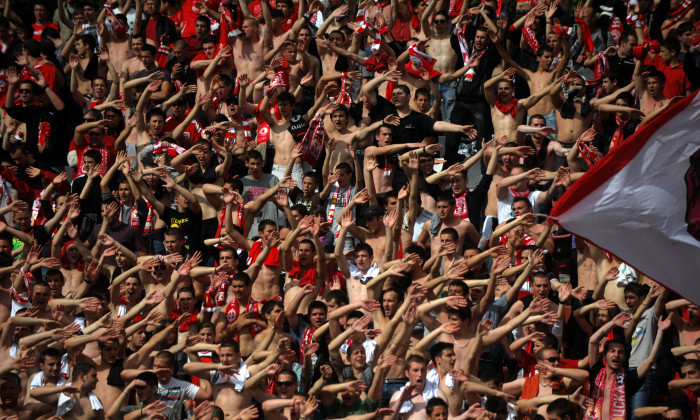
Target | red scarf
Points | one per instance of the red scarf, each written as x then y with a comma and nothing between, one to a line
618,403
587,39
304,275
679,13
64,258
461,209
520,194
272,260
232,313
531,39
307,339
511,109
44,134
215,298
617,136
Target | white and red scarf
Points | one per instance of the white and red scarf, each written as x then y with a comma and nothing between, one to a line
313,141
618,404
461,209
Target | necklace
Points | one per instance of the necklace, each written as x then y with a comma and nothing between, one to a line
457,344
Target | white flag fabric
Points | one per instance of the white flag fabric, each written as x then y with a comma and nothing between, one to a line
641,202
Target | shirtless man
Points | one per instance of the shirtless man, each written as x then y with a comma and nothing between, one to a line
287,132
416,392
429,236
507,112
688,331
382,172
574,110
133,65
347,139
539,80
234,382
650,88
241,316
249,48
364,268
75,400
121,48
10,405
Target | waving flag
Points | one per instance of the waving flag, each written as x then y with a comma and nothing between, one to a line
642,201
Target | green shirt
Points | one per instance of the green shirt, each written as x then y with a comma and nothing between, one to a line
339,410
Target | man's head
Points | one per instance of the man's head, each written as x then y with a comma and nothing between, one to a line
147,392
481,38
521,206
416,370
318,312
163,364
436,409
50,364
537,120
306,253
209,46
400,96
148,55
561,409
634,295
240,285
174,240
685,34
85,45
345,173
391,299
254,163
229,353
185,299
443,355
41,293
357,356
109,351
669,50
384,135
228,256
363,256
340,117
10,388
422,99
545,57
541,285
249,30
56,281
152,7
271,310
506,90
445,206
615,354
656,81
690,369
155,121
628,40
549,357
85,376
287,383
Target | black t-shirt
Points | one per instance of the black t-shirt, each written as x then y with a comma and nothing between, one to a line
413,128
632,380
188,222
624,67
58,138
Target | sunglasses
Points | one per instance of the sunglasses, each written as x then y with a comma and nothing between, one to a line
159,267
89,120
439,21
553,359
25,91
285,383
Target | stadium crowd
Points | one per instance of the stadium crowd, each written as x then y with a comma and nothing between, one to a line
300,209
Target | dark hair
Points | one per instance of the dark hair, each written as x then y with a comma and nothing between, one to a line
403,88
336,32
421,91
254,154
264,223
345,167
396,290
216,412
89,40
640,290
462,313
231,345
203,19
270,305
561,407
150,378
185,289
438,348
33,47
301,209
242,276
81,368
317,304
362,246
544,49
538,117
339,296
155,112
672,44
12,377
625,35
286,97
175,232
433,403
496,405
523,200
452,232
684,27
49,352
625,96
446,198
418,250
658,74
343,109
167,356
149,49
208,39
459,283
679,404
492,373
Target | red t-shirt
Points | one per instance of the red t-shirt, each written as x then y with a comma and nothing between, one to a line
190,14
192,132
107,151
38,29
676,80
47,69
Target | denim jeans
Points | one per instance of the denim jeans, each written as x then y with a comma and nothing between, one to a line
448,91
477,114
641,397
389,390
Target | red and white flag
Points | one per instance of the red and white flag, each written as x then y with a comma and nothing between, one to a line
642,201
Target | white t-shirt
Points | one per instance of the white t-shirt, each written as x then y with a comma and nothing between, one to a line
175,392
505,211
